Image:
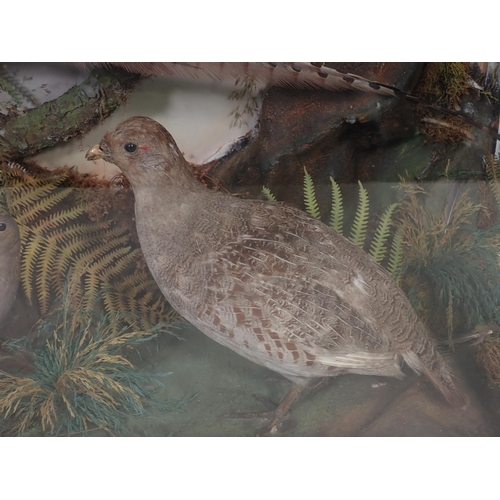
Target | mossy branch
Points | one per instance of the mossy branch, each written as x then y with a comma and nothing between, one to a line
70,115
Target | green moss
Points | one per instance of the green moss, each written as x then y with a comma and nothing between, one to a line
445,82
70,115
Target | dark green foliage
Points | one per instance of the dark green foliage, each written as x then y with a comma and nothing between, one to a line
450,269
463,277
84,379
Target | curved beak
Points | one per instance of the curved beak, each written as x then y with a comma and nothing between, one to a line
95,153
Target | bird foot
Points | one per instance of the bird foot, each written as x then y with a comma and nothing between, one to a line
276,416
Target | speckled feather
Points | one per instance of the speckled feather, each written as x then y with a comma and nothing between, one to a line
302,75
264,279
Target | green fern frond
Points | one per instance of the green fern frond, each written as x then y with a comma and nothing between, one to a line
92,289
4,204
268,194
378,247
337,210
396,255
310,201
360,223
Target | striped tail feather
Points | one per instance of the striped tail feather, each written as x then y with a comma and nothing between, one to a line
293,74
427,360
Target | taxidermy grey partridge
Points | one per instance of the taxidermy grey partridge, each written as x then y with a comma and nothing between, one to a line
265,279
10,253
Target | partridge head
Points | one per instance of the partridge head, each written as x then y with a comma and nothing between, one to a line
146,153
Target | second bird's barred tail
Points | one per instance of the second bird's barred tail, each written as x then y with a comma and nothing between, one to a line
425,358
296,75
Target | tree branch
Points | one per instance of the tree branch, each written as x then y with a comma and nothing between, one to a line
70,115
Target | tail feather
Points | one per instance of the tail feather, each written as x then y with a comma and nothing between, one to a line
297,74
429,362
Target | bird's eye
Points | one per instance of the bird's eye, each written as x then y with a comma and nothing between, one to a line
3,226
130,147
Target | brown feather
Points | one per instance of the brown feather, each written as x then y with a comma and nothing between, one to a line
296,75
265,279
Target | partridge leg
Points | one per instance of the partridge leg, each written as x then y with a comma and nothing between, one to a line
281,412
276,416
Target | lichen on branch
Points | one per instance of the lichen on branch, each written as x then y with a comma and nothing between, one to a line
70,115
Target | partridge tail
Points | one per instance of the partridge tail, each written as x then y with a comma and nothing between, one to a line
425,358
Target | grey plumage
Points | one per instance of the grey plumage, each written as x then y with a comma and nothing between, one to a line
264,279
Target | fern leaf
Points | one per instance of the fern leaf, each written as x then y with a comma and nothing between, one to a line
98,245
115,263
268,194
378,248
111,303
71,252
92,288
137,280
30,254
360,223
337,210
310,201
29,201
396,255
44,269
57,219
56,242
102,269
